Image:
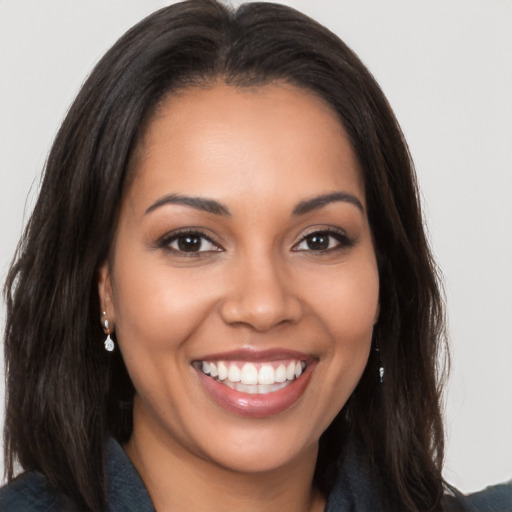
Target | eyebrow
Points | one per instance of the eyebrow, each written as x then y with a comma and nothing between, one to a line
315,203
212,206
199,203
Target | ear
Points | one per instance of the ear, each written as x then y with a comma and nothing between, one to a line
105,292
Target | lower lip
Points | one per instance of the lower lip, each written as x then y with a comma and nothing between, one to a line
257,405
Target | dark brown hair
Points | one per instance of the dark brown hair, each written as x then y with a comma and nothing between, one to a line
65,394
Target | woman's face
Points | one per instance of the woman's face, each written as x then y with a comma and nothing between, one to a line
243,282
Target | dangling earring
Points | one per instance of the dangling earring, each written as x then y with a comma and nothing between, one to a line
109,343
381,367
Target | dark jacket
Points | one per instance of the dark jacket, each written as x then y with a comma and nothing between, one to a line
354,491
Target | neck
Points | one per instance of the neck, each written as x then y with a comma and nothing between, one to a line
179,481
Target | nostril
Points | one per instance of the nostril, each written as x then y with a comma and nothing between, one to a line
262,314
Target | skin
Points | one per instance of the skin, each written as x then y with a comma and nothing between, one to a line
260,283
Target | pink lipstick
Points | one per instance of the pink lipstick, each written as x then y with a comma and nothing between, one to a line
255,383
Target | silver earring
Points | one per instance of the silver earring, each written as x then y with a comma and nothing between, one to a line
109,343
381,367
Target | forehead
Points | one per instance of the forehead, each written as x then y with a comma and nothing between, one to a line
222,140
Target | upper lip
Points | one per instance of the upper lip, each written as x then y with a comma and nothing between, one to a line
257,355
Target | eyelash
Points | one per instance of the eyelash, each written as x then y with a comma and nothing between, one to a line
167,240
342,241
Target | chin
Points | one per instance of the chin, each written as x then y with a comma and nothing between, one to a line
265,457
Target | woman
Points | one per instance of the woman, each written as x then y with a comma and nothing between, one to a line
221,283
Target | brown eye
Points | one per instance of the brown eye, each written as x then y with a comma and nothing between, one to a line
323,241
318,242
190,242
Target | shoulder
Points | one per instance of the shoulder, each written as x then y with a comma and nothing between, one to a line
497,498
30,492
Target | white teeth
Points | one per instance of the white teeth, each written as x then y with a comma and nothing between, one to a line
290,371
223,371
251,390
249,374
230,384
250,379
266,375
260,389
234,373
264,388
280,373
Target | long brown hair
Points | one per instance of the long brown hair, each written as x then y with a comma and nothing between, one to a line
65,395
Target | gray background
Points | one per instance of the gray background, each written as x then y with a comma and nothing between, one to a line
446,67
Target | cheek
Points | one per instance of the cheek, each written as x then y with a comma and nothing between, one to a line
157,308
348,301
347,305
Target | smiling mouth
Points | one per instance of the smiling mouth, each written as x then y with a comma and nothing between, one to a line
254,378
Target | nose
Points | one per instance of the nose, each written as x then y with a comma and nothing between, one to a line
260,296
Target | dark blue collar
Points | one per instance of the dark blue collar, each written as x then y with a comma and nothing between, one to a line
355,488
125,490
